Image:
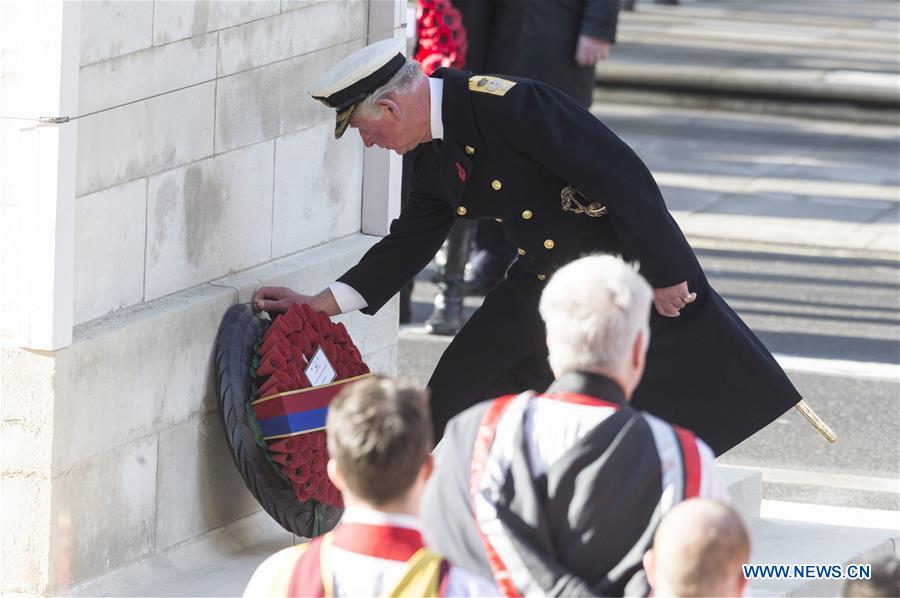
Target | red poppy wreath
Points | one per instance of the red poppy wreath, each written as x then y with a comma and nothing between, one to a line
289,408
297,366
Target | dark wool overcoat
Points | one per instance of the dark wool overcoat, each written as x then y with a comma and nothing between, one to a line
513,149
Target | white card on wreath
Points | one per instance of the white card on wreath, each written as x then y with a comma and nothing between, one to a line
320,371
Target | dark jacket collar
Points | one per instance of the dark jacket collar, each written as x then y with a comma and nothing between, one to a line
456,108
592,385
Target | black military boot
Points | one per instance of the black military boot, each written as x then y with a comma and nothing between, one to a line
447,317
406,304
485,270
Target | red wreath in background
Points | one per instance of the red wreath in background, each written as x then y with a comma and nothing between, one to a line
442,37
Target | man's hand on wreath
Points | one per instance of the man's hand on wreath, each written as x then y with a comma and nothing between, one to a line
280,299
671,300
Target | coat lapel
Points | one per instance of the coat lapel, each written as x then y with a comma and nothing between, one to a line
459,132
456,169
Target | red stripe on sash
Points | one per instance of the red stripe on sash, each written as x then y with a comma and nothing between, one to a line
379,541
306,580
578,399
482,448
691,458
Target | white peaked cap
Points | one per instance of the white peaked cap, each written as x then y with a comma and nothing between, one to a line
354,78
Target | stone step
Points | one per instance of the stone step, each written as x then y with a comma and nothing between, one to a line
655,94
745,489
791,59
418,352
795,543
219,563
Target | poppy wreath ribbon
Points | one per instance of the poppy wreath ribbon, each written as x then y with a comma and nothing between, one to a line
289,411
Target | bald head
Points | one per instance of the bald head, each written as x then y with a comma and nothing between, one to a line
698,550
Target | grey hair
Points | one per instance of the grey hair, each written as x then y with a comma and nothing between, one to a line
401,83
594,309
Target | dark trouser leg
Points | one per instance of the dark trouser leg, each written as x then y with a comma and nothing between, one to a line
406,304
490,236
494,33
447,316
500,350
476,15
505,40
493,256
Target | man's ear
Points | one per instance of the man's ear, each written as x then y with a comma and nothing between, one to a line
638,354
390,105
742,582
649,567
428,467
334,474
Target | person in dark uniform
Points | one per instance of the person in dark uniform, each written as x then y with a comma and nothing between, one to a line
561,43
494,30
564,186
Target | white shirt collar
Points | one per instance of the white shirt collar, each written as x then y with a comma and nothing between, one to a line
370,517
436,87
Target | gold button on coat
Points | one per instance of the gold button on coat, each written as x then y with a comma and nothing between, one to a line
470,150
542,277
521,251
461,210
495,185
549,244
527,214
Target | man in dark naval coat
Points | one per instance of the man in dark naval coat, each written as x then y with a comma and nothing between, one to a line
564,186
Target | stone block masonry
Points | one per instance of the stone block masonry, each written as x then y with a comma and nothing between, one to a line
209,218
199,171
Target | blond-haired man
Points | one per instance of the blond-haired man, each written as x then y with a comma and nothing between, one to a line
379,440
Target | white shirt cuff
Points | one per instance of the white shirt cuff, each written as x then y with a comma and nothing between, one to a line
346,297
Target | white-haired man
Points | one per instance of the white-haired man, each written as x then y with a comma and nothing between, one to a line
559,493
563,185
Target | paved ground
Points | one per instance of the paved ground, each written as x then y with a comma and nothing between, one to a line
824,310
844,50
768,178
